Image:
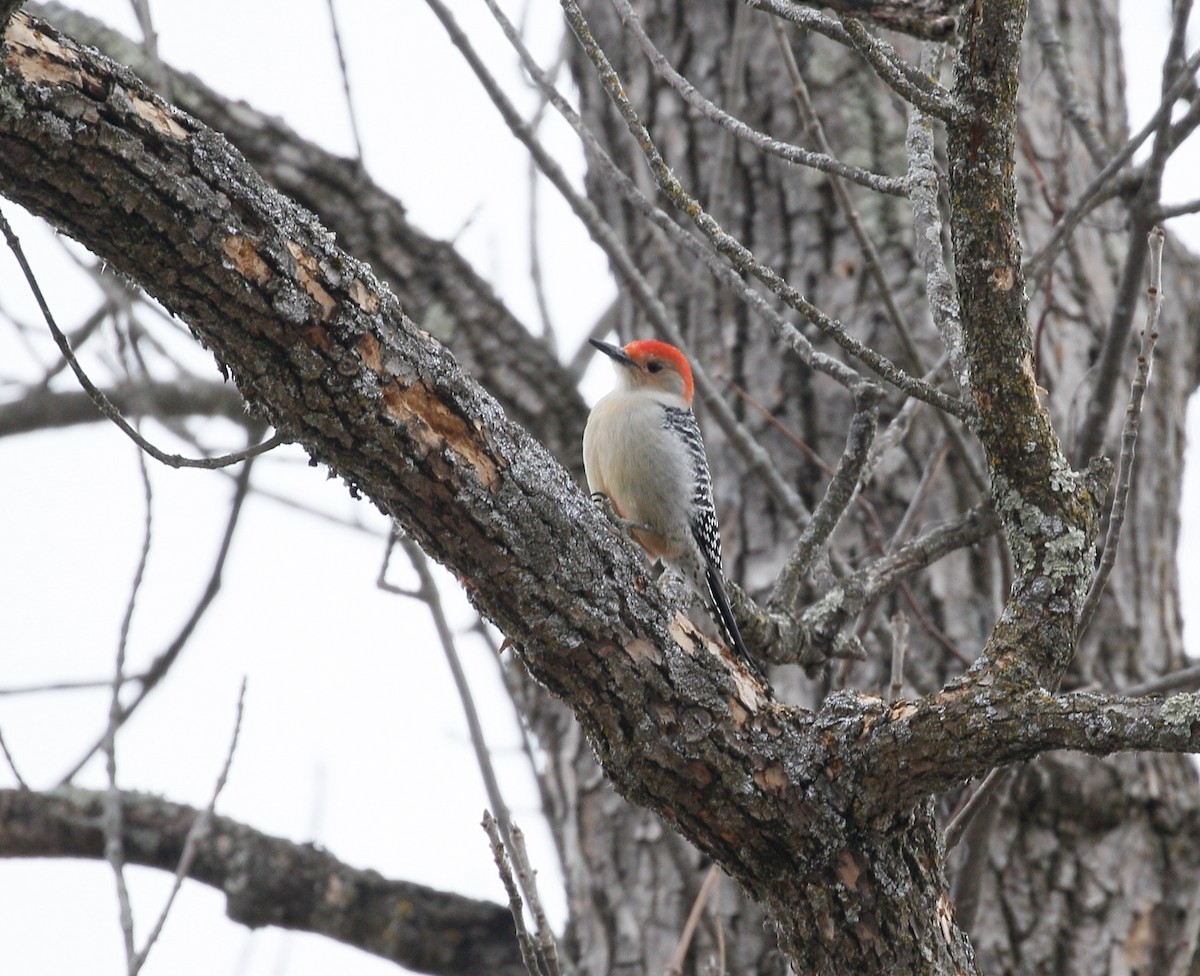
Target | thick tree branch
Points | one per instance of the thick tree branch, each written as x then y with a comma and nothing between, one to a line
906,743
271,881
434,284
797,806
320,348
1049,510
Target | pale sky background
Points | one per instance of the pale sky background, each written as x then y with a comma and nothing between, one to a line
353,736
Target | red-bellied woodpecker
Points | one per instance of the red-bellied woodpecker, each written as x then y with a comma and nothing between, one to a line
642,451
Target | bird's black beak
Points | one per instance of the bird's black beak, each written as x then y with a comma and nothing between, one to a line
615,353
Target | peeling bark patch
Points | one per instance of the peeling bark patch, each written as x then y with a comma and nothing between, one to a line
307,273
318,338
748,689
642,650
39,59
1003,279
244,258
158,117
773,779
437,428
850,867
945,919
684,633
368,349
363,297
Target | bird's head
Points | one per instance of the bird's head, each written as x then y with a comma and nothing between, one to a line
650,364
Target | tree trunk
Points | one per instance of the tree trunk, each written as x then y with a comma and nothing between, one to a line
1028,888
1028,912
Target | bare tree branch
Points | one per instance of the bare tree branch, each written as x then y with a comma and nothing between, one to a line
733,250
97,396
271,881
789,801
824,161
170,654
196,832
931,21
43,409
434,284
1127,460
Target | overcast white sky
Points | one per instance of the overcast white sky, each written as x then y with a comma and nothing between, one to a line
352,735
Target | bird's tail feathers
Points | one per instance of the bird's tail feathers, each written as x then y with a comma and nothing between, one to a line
723,614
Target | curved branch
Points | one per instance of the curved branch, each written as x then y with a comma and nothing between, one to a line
271,881
435,285
1049,510
907,741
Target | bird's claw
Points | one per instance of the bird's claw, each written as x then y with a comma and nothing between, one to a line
604,503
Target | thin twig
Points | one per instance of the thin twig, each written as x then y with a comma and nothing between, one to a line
1128,459
1170,210
195,834
675,966
9,759
832,506
427,592
103,403
1185,679
732,249
991,782
162,663
824,161
341,56
1040,262
534,227
917,502
899,630
56,686
1064,82
114,845
549,334
162,77
529,954
527,876
976,824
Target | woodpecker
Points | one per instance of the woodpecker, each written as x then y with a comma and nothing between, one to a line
642,451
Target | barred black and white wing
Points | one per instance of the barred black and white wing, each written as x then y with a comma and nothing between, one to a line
705,530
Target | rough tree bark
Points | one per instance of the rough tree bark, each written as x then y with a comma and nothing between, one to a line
804,809
1028,912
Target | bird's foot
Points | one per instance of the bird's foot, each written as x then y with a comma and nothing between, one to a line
604,503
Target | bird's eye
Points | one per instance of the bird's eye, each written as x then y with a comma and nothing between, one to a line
654,367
